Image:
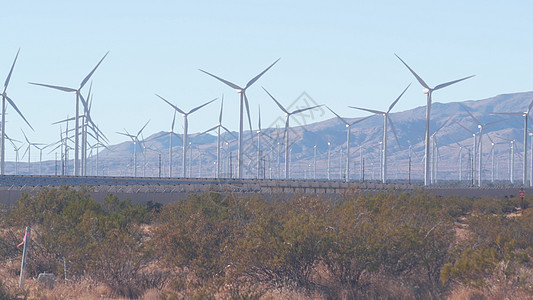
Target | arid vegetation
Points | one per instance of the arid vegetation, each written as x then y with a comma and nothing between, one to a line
390,245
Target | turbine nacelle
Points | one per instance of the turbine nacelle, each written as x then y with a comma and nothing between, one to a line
426,91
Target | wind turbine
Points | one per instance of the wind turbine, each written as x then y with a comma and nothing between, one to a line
170,133
348,133
243,100
185,128
436,150
386,118
28,150
16,149
5,98
526,115
286,132
78,97
428,91
135,140
474,149
480,143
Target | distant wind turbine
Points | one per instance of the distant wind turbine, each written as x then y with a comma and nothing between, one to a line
428,91
5,98
78,97
135,140
185,128
480,126
526,115
28,150
348,133
286,132
243,101
386,118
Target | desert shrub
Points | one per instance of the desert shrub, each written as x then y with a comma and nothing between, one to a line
486,205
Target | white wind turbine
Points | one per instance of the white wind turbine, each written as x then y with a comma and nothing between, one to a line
428,91
185,128
78,98
170,134
243,101
474,150
286,132
135,140
480,126
16,149
218,127
5,98
386,118
348,133
526,115
28,150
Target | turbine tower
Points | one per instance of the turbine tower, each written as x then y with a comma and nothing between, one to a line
386,118
348,133
243,101
135,140
286,132
480,142
526,115
78,97
185,128
428,91
218,127
4,99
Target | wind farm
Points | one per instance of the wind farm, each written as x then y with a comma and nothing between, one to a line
312,143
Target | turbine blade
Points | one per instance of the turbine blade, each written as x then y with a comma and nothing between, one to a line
83,102
397,99
91,74
340,118
361,120
18,111
210,129
61,88
173,122
231,84
248,112
443,85
443,124
471,115
530,106
221,108
509,114
420,80
394,131
280,106
10,72
197,108
465,128
304,109
142,128
369,110
25,137
63,121
227,130
260,74
173,106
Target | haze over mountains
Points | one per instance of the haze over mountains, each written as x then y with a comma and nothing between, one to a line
409,126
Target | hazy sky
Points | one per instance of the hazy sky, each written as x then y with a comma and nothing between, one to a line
341,53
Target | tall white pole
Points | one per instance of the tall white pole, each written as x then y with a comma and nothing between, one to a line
427,145
287,159
239,151
24,255
524,167
184,146
314,162
384,154
76,138
329,160
348,129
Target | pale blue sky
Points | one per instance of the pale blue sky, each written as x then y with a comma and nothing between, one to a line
340,53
